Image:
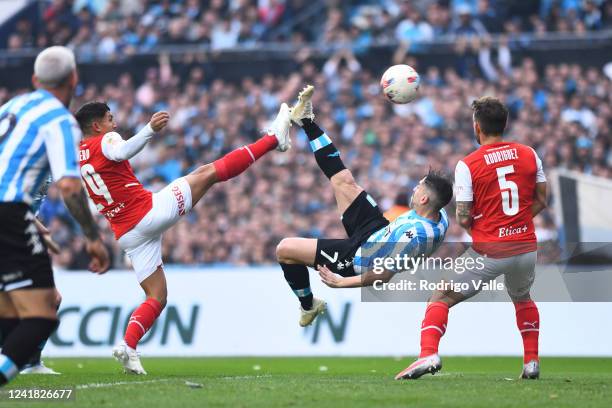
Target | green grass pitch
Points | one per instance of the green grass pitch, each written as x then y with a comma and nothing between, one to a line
324,382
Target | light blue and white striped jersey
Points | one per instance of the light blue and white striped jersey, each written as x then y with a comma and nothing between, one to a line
37,134
409,234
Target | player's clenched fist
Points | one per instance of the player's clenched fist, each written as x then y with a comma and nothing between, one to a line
159,120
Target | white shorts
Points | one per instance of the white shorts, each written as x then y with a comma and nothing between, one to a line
518,271
143,243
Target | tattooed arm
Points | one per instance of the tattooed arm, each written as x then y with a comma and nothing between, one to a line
464,214
76,202
464,195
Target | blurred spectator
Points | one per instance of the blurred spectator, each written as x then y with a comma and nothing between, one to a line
466,24
128,26
225,34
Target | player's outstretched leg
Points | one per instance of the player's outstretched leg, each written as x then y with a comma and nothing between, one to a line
237,161
326,154
528,323
293,254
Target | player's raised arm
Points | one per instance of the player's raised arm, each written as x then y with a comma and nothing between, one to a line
117,149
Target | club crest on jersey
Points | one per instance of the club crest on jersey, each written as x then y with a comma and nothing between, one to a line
409,235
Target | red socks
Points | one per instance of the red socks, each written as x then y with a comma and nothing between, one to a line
237,161
141,321
436,318
528,323
433,327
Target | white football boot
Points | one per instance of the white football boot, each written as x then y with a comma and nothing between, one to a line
531,370
307,316
129,358
39,368
303,107
429,364
280,128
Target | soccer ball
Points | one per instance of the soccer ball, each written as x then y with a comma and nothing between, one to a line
400,83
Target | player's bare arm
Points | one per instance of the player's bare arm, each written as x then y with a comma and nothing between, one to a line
464,214
76,202
540,198
333,280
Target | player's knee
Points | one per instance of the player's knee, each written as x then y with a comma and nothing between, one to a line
160,294
161,297
206,173
344,179
519,296
284,251
449,297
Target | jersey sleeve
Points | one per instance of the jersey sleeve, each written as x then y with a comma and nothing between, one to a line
116,149
540,176
463,182
61,137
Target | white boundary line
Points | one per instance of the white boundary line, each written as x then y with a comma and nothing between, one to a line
246,377
113,384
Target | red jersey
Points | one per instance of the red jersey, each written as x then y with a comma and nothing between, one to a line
113,187
500,181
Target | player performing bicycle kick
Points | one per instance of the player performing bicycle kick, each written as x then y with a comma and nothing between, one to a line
348,262
139,217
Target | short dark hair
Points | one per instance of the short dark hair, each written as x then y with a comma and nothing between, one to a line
442,186
491,114
89,112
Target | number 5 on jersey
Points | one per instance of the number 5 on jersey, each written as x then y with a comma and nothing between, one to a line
509,191
95,183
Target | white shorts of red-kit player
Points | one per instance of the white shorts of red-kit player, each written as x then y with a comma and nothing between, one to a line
143,243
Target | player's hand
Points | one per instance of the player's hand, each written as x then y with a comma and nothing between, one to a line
159,120
333,280
100,260
46,236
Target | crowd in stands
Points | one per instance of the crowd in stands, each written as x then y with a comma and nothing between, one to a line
563,111
111,29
